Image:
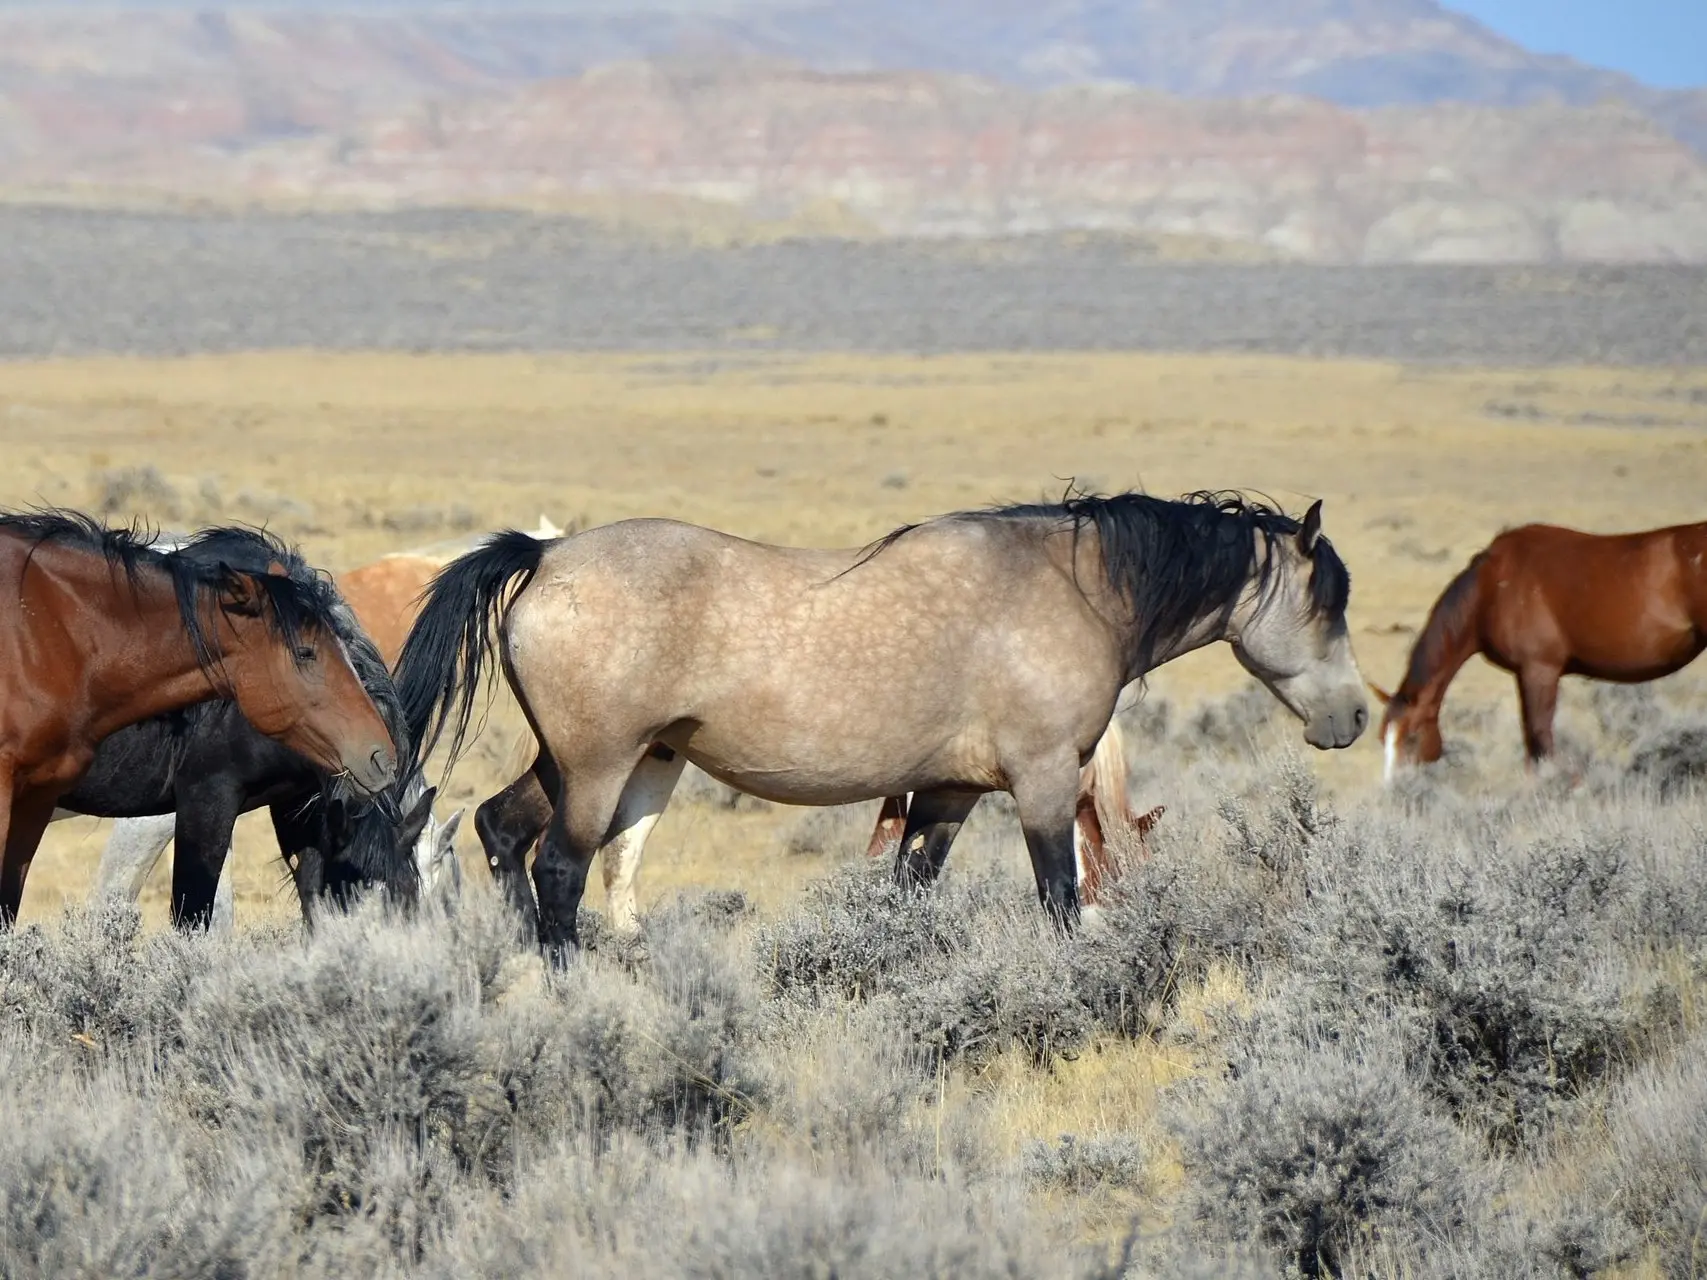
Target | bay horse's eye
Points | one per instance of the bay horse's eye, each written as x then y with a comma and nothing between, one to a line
306,653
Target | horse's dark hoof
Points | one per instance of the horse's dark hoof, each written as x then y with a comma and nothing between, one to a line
560,955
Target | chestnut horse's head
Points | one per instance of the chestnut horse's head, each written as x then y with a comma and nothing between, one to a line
272,645
1410,733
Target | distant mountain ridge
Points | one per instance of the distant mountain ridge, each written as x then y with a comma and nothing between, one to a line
1325,129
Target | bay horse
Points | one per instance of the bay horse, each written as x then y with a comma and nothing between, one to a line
1544,602
188,776
106,631
383,596
636,646
1103,805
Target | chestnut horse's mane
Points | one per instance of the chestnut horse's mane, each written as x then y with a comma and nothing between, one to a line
293,603
1174,562
1447,621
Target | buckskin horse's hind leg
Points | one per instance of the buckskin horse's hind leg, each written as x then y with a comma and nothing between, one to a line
508,824
934,818
1538,692
583,816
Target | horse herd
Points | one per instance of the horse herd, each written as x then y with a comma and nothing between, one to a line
175,683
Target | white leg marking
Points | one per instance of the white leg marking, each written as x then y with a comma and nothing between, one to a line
132,851
435,858
643,802
224,905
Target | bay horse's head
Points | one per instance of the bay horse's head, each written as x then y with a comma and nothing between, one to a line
271,642
390,839
1290,631
1410,733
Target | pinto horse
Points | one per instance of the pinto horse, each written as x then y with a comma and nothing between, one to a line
1544,602
637,646
107,631
1103,803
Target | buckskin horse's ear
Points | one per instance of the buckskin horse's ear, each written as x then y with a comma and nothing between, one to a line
239,592
1312,528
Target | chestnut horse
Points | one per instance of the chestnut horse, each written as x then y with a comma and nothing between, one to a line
386,594
1543,602
106,631
1103,805
638,646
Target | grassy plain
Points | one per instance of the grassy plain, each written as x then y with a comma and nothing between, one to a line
356,455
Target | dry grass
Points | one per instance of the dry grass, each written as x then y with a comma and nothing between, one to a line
357,455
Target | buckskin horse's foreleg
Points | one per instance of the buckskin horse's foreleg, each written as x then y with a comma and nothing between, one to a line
933,820
1046,793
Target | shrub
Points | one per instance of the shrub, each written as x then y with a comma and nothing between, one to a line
859,934
1672,759
1505,963
1079,1164
1320,1149
95,975
1657,1126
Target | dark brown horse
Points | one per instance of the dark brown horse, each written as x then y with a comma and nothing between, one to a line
1543,602
1103,805
100,631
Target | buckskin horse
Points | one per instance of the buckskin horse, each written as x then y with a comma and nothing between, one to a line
104,631
635,646
190,774
1543,602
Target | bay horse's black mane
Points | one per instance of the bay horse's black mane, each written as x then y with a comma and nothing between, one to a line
1174,562
294,602
368,844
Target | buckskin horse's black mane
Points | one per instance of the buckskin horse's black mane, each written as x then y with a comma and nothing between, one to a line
1175,562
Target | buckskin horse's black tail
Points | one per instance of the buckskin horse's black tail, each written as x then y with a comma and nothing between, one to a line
439,672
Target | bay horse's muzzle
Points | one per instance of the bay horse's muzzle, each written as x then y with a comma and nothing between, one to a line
375,772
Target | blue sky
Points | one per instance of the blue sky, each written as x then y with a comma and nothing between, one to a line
1661,41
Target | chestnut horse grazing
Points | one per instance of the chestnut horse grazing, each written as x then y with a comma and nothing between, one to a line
104,631
1543,602
1103,806
638,645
